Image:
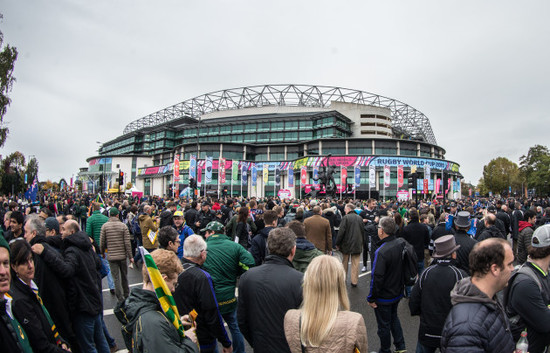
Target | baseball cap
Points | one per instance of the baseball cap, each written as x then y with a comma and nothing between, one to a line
205,203
214,226
541,237
113,211
178,214
51,223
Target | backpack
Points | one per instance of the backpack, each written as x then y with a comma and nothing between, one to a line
409,263
517,325
135,229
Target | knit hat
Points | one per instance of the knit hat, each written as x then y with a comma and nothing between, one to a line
51,223
4,243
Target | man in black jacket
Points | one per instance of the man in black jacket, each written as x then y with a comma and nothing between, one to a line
267,292
386,287
418,235
167,216
258,244
490,230
430,297
462,225
79,265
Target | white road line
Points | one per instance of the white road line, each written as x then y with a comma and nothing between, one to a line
364,274
108,312
131,285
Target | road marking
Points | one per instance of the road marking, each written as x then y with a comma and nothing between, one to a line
364,274
131,285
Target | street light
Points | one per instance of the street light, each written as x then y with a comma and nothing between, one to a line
102,165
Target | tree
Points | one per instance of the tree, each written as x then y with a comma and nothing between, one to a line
535,167
32,170
12,175
8,56
500,174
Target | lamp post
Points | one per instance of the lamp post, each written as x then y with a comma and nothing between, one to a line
102,165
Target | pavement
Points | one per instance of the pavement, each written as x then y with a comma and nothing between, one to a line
358,304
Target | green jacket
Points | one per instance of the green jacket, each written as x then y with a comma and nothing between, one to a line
226,260
305,252
94,224
231,227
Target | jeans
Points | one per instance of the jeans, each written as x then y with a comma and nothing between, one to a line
388,326
236,335
110,281
89,332
423,349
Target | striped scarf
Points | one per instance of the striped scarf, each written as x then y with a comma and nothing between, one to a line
55,333
162,291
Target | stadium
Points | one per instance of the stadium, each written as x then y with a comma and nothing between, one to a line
272,139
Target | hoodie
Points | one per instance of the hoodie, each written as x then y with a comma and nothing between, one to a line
146,329
523,224
476,323
305,252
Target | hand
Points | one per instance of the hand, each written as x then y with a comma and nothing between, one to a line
191,333
373,305
65,347
227,350
132,260
38,249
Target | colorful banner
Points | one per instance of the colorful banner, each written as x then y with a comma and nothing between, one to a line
199,175
303,175
357,175
277,176
254,174
176,168
372,176
244,173
426,184
208,173
427,171
193,167
235,171
221,170
344,177
387,175
399,176
437,185
291,177
265,173
316,175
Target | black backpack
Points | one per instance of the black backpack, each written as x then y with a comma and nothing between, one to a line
410,263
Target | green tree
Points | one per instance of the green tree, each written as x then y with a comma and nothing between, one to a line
8,56
13,167
535,167
31,170
499,174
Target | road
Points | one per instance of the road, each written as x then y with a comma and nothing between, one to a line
358,303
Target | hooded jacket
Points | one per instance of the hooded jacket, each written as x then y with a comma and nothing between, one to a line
146,329
476,323
305,252
490,232
524,240
146,224
258,245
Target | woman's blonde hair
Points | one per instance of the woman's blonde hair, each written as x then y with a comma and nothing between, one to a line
325,294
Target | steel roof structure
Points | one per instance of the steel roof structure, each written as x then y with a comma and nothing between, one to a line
404,117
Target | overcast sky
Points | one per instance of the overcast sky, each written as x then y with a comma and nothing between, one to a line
479,70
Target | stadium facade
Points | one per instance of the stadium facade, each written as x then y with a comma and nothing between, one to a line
268,134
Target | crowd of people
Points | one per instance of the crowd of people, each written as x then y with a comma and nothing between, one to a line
274,273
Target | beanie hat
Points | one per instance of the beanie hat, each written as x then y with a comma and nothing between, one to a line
4,243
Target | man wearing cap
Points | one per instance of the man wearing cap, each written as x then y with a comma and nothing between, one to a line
115,240
52,226
462,225
166,216
529,300
183,230
195,291
477,322
430,296
225,262
205,216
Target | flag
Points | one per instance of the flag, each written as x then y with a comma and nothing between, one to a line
427,172
265,173
221,170
290,176
399,176
176,168
387,175
208,174
193,167
316,175
372,176
235,171
244,173
344,177
303,175
357,175
254,174
199,176
162,291
32,191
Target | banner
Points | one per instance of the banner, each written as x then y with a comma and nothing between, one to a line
208,166
427,171
199,176
291,177
413,168
399,176
176,168
235,171
437,186
344,177
425,184
265,173
221,170
244,173
357,175
316,175
277,176
387,176
372,176
303,175
254,174
193,167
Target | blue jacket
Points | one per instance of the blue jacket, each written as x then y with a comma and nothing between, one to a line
183,233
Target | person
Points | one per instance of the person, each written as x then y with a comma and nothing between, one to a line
115,240
350,241
143,318
430,296
477,322
95,222
225,262
258,244
418,235
387,285
168,239
526,229
517,216
462,225
13,337
16,230
191,215
530,301
324,322
370,220
267,292
167,216
27,306
182,229
305,250
147,225
241,226
195,291
205,216
490,230
79,265
318,231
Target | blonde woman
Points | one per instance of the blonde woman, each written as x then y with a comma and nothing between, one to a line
324,322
